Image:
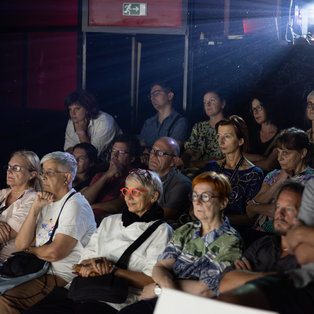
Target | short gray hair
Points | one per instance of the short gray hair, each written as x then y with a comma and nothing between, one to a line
65,160
150,180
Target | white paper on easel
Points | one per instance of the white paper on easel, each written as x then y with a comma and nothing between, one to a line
177,302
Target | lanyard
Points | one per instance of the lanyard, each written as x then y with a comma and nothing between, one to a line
235,171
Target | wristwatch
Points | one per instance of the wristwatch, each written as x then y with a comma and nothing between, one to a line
157,289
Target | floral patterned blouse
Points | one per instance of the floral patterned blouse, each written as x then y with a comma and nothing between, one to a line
203,139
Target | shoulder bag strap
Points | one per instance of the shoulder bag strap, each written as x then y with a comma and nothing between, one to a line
173,123
124,259
57,222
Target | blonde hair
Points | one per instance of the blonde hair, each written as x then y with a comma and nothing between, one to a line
33,164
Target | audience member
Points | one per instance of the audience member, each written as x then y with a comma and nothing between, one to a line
245,178
103,192
167,122
142,191
198,251
85,155
310,117
310,114
262,143
293,291
269,253
15,201
87,124
202,146
294,154
176,186
76,225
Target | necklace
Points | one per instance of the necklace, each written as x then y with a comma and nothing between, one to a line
235,171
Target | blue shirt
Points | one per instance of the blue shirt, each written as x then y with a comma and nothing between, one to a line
175,126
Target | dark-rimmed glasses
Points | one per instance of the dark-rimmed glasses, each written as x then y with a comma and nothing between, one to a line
160,153
120,152
14,168
134,192
310,105
205,197
156,93
257,109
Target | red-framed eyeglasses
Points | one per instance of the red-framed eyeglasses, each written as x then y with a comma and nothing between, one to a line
134,192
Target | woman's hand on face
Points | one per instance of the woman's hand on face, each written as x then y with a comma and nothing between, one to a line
5,230
284,175
148,292
42,199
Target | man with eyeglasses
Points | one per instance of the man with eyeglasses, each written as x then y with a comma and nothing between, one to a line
177,188
167,121
103,192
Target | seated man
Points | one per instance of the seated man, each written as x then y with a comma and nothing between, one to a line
85,155
167,122
177,187
269,253
103,192
292,292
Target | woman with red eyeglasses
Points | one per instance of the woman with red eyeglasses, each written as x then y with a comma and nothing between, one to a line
116,233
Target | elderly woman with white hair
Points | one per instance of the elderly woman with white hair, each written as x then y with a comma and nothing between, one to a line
75,227
143,189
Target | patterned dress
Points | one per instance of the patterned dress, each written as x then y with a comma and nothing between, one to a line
203,257
203,139
245,185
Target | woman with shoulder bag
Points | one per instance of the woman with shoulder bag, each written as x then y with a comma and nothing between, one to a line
75,226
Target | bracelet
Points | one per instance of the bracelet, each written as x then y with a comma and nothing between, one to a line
254,202
27,250
80,133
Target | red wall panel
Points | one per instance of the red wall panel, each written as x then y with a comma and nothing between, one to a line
52,68
160,13
11,69
22,13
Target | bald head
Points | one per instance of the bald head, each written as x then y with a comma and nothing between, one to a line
162,163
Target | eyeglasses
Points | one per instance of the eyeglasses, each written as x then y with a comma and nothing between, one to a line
310,105
257,109
49,173
120,152
156,93
205,197
14,168
140,172
159,153
134,192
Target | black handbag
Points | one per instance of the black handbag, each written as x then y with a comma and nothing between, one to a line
108,288
24,263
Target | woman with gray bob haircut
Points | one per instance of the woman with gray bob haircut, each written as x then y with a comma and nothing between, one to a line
150,181
65,160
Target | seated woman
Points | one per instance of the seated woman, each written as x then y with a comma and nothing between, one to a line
262,150
294,153
198,251
310,117
85,155
87,124
117,232
76,225
202,146
245,178
310,114
15,201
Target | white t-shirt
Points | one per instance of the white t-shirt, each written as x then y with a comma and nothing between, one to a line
15,215
111,240
76,220
101,131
